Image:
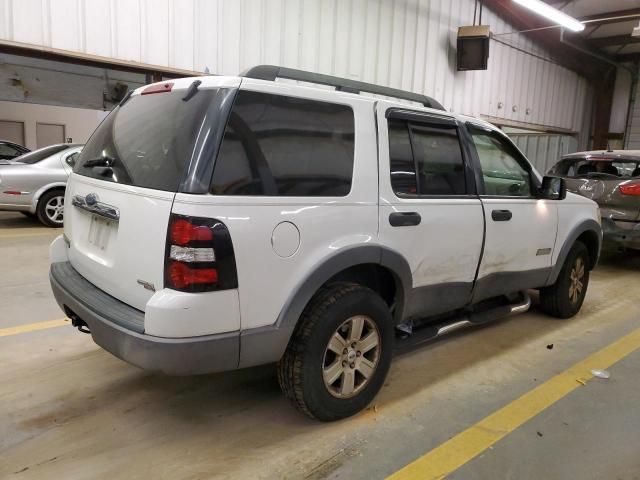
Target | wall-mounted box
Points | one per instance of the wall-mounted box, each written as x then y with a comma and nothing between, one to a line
473,47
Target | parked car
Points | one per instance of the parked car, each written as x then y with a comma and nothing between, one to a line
10,150
34,183
612,179
222,222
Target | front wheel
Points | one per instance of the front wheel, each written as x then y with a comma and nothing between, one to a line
340,353
564,298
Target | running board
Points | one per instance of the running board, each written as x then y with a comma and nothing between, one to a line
429,332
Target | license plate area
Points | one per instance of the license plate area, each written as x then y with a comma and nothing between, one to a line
100,232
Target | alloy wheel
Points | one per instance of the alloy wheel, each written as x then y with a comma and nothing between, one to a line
576,280
54,209
351,357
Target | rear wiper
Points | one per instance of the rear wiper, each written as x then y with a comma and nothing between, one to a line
192,90
105,161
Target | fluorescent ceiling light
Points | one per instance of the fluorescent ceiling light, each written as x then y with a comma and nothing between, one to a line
552,14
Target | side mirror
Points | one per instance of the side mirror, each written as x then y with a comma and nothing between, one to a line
71,160
553,188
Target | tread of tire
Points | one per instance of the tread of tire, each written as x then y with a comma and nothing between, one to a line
290,365
550,296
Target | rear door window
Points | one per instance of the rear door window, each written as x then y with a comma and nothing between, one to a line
283,146
425,159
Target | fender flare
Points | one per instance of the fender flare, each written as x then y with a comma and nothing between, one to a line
346,258
585,226
267,344
42,190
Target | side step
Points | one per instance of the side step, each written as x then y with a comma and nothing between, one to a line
431,331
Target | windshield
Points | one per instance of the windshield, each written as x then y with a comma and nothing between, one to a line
39,155
588,168
151,139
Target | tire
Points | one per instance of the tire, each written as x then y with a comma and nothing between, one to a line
564,298
311,356
50,210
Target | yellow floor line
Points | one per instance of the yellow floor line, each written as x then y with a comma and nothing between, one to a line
29,234
452,454
32,327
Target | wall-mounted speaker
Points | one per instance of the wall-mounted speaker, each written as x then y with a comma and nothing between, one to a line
473,47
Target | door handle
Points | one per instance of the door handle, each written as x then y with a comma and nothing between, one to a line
404,219
501,215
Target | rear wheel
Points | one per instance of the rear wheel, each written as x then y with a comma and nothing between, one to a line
340,353
564,298
50,210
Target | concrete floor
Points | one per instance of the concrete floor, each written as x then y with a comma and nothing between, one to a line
70,410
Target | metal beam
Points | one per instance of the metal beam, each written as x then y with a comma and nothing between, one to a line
612,17
80,58
612,41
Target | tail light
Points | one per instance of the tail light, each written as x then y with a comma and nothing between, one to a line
199,255
630,189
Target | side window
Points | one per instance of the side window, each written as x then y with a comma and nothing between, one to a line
425,159
503,174
285,146
403,168
8,150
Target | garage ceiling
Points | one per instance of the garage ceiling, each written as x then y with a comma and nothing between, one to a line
604,43
613,36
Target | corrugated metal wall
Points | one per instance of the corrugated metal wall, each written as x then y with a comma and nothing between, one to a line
408,44
544,150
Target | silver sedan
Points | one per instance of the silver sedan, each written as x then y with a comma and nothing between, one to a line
34,183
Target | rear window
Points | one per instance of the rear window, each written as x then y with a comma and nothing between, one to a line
150,140
585,168
285,146
39,155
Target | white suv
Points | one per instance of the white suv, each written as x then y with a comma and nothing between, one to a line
217,223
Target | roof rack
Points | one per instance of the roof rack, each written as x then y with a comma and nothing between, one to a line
271,72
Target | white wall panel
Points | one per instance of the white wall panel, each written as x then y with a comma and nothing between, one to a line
79,122
401,43
98,27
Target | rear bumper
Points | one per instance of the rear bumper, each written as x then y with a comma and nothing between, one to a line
627,236
119,329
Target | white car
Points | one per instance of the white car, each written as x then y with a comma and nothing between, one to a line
217,223
34,183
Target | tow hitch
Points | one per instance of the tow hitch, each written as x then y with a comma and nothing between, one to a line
78,323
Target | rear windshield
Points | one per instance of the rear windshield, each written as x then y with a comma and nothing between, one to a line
588,168
150,140
38,155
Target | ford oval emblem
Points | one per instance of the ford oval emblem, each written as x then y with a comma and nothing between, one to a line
91,199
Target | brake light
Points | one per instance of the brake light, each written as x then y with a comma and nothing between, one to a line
630,189
199,255
183,277
157,88
183,232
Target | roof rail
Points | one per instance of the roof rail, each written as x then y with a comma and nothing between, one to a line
271,72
